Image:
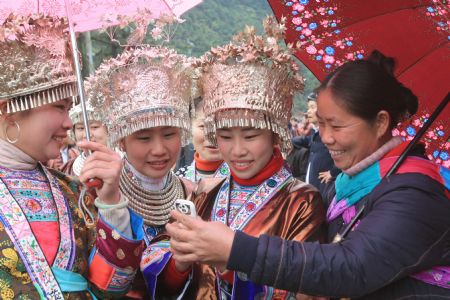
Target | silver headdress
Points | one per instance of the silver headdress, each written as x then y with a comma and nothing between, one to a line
250,83
76,114
143,88
35,62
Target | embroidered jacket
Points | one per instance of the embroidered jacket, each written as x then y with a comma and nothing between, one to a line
280,206
157,246
90,261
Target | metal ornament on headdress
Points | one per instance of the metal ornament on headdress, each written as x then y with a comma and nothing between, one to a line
35,64
143,88
250,83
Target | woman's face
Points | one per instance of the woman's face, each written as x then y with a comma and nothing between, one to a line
205,150
246,150
349,138
42,129
97,130
154,151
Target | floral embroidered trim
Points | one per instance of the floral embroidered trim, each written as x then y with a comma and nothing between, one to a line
20,233
66,251
261,196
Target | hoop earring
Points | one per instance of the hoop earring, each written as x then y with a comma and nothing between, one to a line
11,141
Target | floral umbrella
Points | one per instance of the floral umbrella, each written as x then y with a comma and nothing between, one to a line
85,15
95,14
415,32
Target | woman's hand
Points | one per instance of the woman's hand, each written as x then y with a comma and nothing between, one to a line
325,177
103,164
199,241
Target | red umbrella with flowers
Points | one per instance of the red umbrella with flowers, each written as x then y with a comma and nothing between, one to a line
415,32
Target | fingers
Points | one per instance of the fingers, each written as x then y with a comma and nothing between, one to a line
109,156
94,146
179,233
102,165
186,220
113,165
181,246
185,258
104,173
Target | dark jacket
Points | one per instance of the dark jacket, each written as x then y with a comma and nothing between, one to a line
319,159
405,229
186,156
298,162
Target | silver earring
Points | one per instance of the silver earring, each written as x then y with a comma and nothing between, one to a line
13,141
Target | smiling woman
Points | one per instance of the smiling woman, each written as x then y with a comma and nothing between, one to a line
98,133
143,96
398,248
45,236
39,132
247,89
207,158
153,151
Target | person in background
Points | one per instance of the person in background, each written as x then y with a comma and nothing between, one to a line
97,130
207,158
398,248
320,169
54,243
67,152
293,125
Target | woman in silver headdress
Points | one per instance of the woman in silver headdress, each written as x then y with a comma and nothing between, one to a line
97,130
47,230
247,87
143,97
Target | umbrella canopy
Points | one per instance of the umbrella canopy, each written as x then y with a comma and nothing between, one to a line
94,14
415,32
85,15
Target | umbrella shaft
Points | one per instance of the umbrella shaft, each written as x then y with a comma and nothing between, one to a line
76,62
80,85
419,134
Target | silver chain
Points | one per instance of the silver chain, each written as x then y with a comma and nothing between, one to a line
153,206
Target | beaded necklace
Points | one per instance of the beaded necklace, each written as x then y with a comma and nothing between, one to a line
153,206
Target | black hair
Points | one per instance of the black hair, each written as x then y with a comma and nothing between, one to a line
196,107
366,87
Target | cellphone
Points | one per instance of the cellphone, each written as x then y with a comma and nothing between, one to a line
185,207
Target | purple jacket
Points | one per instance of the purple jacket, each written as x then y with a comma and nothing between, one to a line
405,229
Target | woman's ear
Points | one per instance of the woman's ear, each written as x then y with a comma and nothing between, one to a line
383,122
275,139
3,110
122,145
9,117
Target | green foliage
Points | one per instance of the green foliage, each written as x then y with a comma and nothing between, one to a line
211,23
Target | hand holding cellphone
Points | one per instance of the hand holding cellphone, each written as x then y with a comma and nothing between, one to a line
186,207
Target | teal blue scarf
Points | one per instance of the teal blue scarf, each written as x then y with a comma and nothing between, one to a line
354,188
